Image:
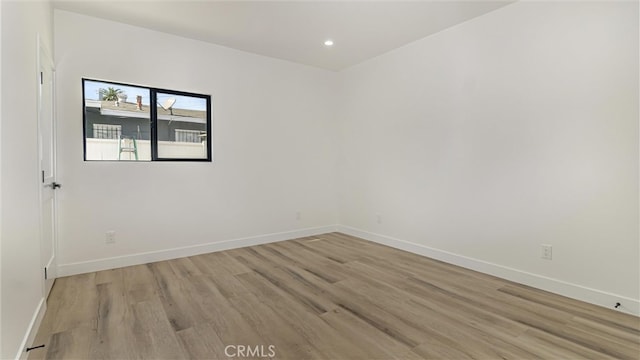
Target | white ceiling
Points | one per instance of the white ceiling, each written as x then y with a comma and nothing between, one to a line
293,30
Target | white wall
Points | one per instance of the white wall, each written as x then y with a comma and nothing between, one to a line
512,130
20,256
273,146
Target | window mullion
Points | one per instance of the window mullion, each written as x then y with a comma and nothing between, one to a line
153,124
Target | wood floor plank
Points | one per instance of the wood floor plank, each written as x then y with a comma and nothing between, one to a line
139,283
77,293
562,348
367,310
273,330
184,267
226,321
377,344
583,310
152,334
530,315
228,285
109,276
437,326
218,264
389,284
69,344
202,342
230,264
597,341
178,307
295,254
287,281
310,326
113,323
434,349
330,296
328,251
624,335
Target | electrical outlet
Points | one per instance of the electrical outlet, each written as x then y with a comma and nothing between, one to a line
110,237
378,219
298,215
547,252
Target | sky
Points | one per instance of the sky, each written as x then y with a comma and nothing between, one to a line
92,87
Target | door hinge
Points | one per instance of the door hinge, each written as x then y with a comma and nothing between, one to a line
41,78
43,176
45,274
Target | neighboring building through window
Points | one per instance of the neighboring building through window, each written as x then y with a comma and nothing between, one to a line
162,124
190,136
105,131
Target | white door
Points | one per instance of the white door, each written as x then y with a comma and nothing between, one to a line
46,142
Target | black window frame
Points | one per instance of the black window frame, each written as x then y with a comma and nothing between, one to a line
153,120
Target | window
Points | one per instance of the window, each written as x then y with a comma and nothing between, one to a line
133,123
190,136
106,131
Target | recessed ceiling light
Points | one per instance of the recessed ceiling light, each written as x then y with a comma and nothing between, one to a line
328,43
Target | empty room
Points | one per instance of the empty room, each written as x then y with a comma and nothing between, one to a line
343,180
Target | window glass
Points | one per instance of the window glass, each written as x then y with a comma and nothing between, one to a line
116,122
182,126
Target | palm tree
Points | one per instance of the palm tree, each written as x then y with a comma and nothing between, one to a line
110,94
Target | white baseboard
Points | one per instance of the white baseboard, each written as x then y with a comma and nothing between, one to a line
578,292
168,254
32,330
